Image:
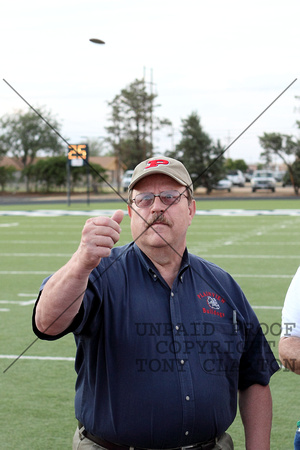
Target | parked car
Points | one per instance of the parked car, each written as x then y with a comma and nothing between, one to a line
236,177
248,175
263,179
126,179
223,184
279,174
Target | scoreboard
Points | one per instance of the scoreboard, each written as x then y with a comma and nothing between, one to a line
77,155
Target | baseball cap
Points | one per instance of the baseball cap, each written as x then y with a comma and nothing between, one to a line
162,165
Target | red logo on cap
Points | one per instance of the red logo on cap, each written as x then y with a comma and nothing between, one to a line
156,163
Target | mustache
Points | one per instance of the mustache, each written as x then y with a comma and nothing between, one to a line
158,218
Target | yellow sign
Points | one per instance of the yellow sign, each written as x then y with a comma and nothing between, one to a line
77,152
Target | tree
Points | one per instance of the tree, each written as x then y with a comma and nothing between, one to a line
283,146
51,173
48,173
24,134
6,175
96,172
96,146
236,164
201,157
132,123
99,175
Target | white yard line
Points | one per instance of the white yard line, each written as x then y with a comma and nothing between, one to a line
19,302
44,255
42,358
8,225
266,307
25,272
250,256
240,275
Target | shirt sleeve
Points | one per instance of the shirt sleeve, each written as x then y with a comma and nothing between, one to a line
258,362
44,336
290,324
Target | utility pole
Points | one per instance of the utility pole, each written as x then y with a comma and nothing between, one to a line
151,111
228,143
151,83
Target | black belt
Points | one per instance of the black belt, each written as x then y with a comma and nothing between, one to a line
208,445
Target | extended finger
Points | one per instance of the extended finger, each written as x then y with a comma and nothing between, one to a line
106,222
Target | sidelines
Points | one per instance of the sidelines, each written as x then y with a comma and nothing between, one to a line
46,358
109,212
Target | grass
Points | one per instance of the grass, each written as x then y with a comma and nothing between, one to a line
261,252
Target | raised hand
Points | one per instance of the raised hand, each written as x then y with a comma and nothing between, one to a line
99,235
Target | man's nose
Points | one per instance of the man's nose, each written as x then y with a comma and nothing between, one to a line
158,205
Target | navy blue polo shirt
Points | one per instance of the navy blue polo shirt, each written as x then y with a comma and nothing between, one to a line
160,367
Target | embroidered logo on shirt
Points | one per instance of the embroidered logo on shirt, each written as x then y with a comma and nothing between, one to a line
213,303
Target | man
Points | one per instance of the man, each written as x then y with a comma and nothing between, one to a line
164,339
289,344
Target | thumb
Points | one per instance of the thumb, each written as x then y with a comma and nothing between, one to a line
118,216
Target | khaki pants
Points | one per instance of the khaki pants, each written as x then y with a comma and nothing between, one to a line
80,442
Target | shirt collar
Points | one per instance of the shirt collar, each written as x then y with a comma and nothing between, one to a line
152,270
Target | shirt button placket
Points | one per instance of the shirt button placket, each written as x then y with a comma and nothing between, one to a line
178,337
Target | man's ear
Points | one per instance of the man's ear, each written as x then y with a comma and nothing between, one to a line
129,210
192,210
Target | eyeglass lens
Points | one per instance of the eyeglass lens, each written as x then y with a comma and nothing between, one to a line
146,199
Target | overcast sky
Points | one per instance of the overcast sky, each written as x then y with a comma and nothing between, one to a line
226,60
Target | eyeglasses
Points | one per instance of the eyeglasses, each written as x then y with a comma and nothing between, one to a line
146,199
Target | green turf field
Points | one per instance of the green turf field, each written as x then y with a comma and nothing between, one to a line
262,252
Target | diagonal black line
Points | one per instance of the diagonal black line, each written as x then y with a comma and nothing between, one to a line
246,129
238,137
64,140
241,134
78,154
21,354
82,293
69,145
214,160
